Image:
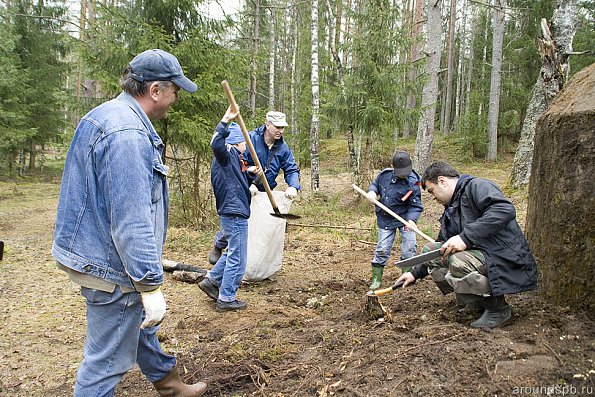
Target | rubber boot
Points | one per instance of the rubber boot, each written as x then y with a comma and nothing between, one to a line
376,277
497,313
215,254
469,302
172,386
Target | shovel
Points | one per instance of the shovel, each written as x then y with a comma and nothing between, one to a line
240,120
374,308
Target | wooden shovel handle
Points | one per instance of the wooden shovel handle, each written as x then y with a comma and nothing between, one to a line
411,225
234,105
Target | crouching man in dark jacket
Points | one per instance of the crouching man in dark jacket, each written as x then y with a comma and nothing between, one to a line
484,252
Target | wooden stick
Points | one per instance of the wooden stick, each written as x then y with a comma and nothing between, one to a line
263,179
329,226
411,225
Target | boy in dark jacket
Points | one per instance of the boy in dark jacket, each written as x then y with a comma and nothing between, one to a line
232,196
484,252
399,190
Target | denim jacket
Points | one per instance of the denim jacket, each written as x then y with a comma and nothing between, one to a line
112,209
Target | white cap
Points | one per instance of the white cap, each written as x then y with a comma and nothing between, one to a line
276,118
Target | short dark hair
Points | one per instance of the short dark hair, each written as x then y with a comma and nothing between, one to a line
135,87
436,169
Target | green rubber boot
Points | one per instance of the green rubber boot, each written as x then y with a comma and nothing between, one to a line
376,277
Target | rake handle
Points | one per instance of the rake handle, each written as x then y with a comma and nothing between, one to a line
234,105
411,225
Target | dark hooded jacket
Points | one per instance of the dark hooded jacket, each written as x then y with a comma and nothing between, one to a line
486,222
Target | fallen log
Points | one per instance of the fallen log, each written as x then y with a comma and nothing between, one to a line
188,277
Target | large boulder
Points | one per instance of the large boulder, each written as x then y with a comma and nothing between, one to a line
561,208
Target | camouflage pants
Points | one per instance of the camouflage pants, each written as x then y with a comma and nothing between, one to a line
463,272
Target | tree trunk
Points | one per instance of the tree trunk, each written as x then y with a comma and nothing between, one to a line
425,130
32,157
315,124
347,30
416,37
79,65
450,66
272,62
484,60
554,52
469,74
352,155
294,110
254,60
495,80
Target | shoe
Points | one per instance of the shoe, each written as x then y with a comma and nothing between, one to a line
228,306
496,314
214,255
376,277
209,288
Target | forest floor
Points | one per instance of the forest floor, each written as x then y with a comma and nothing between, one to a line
305,333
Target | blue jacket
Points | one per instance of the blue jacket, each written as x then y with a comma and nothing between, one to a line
402,196
229,177
112,209
282,160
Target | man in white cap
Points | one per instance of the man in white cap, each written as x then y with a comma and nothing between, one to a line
274,156
110,229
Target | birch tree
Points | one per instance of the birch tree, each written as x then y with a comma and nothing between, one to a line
554,48
315,123
425,131
495,81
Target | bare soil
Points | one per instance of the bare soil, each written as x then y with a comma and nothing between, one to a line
303,334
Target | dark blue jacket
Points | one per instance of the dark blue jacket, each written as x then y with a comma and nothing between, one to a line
402,196
282,160
487,221
229,177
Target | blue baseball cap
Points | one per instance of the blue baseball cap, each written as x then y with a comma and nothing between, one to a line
158,65
235,134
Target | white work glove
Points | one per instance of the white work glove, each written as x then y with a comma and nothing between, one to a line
252,169
371,195
154,304
253,190
291,193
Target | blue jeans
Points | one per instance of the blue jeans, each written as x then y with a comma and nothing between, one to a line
227,273
386,238
114,342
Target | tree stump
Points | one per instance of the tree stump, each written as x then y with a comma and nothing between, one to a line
561,207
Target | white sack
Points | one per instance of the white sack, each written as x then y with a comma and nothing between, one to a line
266,236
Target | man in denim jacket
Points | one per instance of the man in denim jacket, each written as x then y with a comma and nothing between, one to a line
111,225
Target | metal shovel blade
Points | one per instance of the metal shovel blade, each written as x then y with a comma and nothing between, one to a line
285,216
